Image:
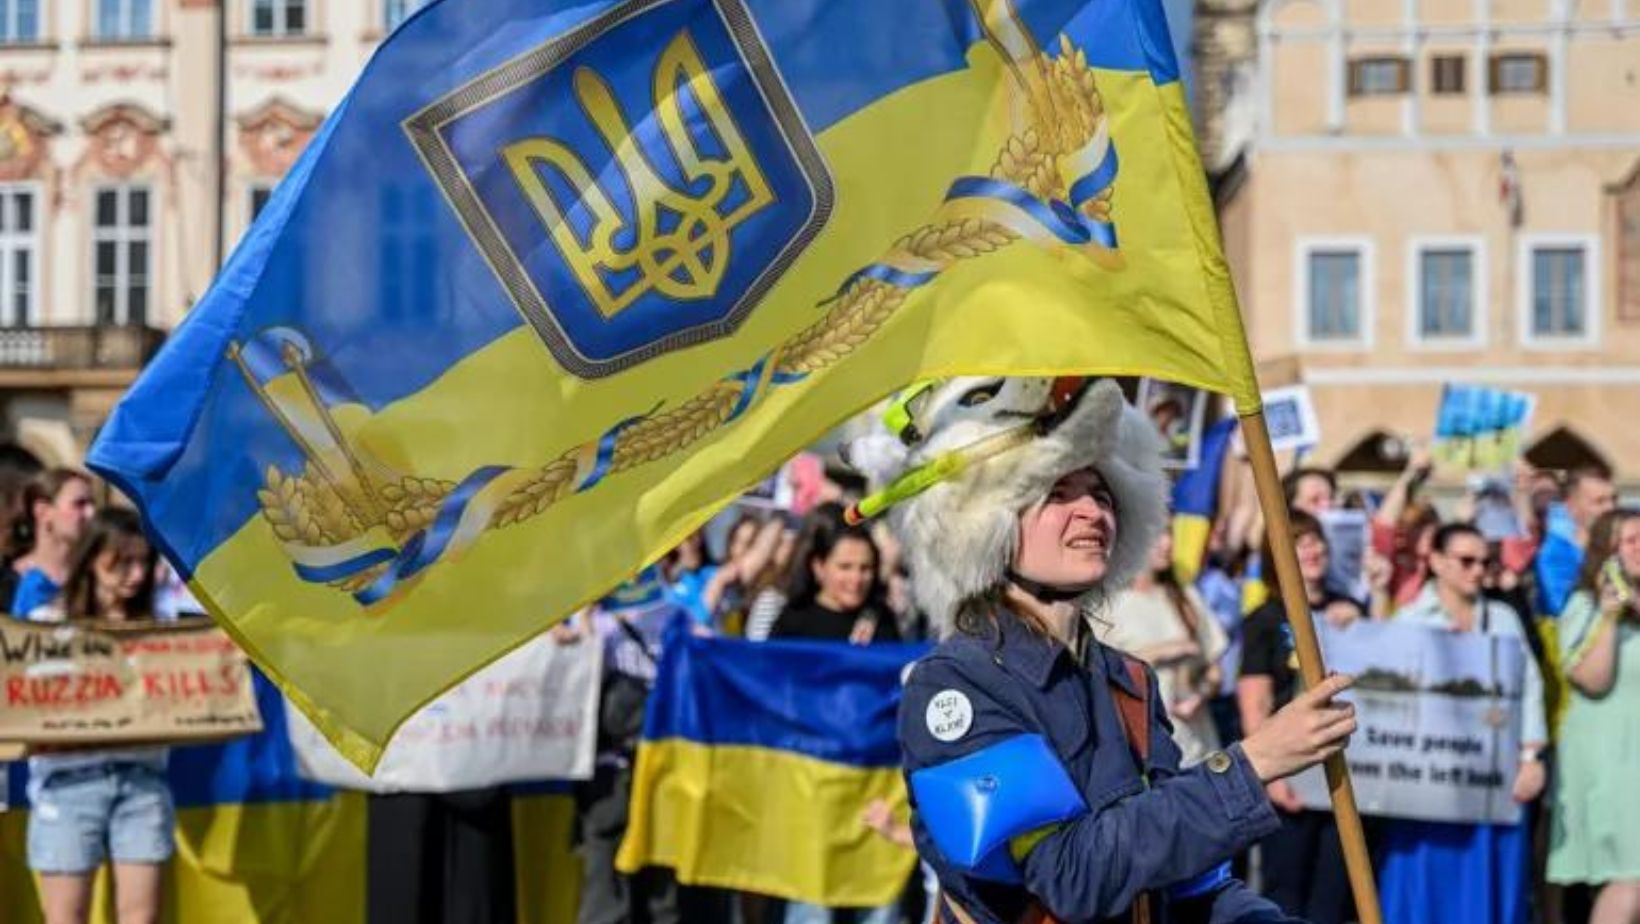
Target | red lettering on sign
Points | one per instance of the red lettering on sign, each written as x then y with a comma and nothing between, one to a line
14,691
190,684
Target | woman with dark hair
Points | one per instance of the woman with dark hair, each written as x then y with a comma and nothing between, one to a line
90,807
728,596
58,504
1596,836
16,524
835,594
1168,626
834,591
1043,780
1303,862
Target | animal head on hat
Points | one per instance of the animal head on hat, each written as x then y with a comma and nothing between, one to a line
961,533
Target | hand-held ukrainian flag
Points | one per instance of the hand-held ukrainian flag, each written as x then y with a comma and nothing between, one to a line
556,279
1196,500
759,759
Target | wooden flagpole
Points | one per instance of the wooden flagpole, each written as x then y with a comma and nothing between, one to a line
1273,502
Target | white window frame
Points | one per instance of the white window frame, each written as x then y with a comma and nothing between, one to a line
126,33
35,238
1593,275
1478,291
410,8
1365,248
281,28
8,29
122,235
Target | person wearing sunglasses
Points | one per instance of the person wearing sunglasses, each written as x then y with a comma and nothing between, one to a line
1421,859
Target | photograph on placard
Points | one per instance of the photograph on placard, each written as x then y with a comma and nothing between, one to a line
1179,412
1290,415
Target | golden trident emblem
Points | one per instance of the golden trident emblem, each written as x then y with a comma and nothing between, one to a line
681,244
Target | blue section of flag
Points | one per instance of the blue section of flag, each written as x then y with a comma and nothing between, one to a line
1475,410
1197,490
827,700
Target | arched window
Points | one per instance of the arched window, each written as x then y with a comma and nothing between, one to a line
1564,450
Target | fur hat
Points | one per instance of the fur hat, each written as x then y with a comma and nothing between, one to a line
961,533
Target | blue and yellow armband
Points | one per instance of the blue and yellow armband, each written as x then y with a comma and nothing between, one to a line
987,810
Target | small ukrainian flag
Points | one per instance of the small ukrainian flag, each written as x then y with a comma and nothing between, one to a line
758,761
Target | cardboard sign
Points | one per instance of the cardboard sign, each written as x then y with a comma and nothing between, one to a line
74,684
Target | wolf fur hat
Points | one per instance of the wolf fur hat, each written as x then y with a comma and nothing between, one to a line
960,534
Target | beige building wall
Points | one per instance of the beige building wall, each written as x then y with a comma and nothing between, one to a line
1386,176
80,112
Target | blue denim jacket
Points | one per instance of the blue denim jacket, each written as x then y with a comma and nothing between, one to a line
1135,836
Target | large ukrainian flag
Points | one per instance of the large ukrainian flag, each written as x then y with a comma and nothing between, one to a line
557,278
757,761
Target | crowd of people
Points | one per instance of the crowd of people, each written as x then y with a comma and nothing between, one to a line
1545,562
1549,562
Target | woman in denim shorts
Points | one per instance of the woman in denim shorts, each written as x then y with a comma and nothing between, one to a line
90,807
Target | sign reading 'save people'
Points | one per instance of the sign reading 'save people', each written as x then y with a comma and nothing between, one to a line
1439,722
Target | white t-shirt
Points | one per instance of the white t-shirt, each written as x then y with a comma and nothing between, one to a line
1142,623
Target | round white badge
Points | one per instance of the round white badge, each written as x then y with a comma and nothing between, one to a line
949,715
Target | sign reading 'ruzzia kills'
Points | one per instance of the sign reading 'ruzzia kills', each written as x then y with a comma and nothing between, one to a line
82,684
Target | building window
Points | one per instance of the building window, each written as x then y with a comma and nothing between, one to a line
1519,72
278,17
1559,306
120,241
19,250
1446,73
19,21
1379,76
1446,293
1334,294
397,11
124,20
258,200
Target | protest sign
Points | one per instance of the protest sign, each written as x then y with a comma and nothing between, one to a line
533,715
1348,533
78,684
1291,418
1179,412
1479,428
1439,722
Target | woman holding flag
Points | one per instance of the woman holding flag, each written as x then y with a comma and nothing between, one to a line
1044,782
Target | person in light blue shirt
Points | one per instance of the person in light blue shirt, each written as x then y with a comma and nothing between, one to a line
1589,493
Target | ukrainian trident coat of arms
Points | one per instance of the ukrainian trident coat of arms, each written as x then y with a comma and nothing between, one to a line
653,214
